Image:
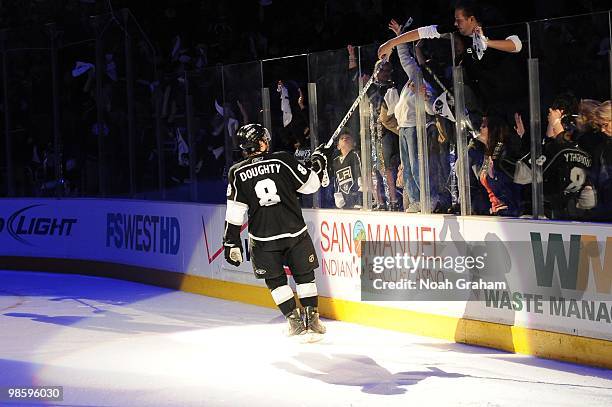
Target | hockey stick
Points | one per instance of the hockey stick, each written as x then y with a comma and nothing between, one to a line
349,113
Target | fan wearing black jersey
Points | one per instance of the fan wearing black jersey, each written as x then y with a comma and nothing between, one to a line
266,186
566,167
347,173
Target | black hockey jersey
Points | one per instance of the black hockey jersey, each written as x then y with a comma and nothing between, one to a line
566,168
566,172
266,186
347,174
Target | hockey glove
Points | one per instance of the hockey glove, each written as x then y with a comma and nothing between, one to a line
587,199
320,159
233,255
339,200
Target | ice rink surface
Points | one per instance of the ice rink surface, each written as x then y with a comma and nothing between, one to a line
116,343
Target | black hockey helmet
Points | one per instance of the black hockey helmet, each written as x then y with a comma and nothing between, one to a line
250,135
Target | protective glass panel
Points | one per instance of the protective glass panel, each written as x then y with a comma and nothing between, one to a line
206,128
574,65
145,88
111,126
287,82
242,95
380,142
428,142
336,77
496,93
77,59
31,158
193,132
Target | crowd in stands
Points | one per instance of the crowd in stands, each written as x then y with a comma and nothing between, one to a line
185,90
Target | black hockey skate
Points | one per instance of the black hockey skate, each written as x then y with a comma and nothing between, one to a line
296,324
315,329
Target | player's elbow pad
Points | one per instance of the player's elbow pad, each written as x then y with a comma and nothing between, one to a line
428,32
518,45
235,212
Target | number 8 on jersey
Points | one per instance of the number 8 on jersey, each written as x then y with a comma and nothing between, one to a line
266,191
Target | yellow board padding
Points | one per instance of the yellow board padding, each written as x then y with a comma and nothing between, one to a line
227,290
545,344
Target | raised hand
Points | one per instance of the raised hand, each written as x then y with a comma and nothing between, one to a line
554,115
301,99
519,128
384,51
352,57
395,27
479,42
351,50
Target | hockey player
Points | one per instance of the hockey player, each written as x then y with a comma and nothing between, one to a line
266,185
347,173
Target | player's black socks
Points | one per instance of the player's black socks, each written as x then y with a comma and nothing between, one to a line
283,295
287,307
284,299
310,301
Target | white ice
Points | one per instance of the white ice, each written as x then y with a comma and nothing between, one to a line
116,343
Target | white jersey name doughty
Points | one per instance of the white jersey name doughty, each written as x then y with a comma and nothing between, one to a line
260,169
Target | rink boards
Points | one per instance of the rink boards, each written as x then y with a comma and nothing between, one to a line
178,245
